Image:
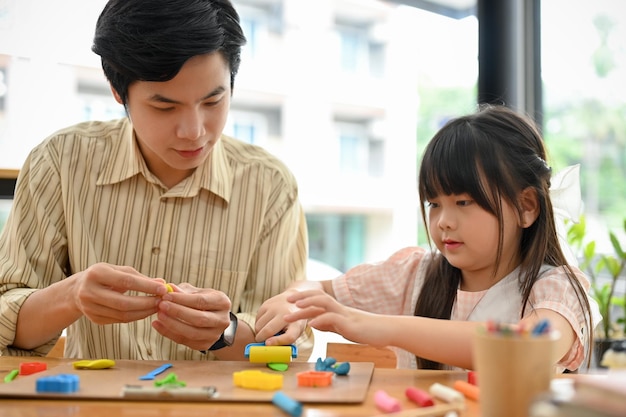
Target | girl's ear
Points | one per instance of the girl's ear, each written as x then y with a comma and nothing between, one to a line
530,207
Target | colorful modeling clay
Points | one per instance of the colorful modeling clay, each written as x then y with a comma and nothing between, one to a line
28,368
315,378
330,364
62,383
95,364
11,375
287,404
386,403
255,379
445,393
470,391
171,380
169,288
419,397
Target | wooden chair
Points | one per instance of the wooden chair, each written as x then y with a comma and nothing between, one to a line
57,350
354,352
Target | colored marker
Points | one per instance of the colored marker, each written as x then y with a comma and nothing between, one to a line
541,327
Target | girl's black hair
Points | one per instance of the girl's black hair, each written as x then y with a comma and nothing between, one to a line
150,40
492,155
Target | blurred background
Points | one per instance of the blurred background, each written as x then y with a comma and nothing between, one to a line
347,93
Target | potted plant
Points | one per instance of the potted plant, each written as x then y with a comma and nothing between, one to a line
605,272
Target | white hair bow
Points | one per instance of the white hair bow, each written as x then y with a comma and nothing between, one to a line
567,204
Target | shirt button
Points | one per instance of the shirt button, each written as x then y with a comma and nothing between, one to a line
156,250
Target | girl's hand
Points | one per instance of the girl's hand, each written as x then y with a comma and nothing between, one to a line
327,314
270,321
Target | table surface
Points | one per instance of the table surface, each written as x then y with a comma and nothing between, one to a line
393,381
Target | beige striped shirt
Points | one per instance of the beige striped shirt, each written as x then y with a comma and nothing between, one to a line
85,195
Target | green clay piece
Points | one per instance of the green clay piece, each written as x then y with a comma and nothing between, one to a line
171,380
282,367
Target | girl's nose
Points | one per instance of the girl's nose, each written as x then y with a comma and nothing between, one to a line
446,220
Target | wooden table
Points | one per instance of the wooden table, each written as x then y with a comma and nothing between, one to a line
393,381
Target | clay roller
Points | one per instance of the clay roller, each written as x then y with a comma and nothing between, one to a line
259,353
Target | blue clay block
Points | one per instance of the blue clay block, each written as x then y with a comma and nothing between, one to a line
62,383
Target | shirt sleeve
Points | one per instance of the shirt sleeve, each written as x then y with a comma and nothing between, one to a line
384,288
279,260
554,292
32,246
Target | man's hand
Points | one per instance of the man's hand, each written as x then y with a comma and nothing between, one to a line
101,294
194,317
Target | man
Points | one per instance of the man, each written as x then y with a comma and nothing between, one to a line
106,213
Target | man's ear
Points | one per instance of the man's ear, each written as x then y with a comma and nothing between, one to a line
117,97
530,207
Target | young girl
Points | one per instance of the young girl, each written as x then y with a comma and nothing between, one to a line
484,188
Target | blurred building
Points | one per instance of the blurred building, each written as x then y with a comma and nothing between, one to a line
329,86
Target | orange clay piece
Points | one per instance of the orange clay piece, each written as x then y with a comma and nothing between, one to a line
255,379
469,390
315,378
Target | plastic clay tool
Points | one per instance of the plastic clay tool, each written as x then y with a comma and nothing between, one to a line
260,353
94,364
315,378
168,393
152,374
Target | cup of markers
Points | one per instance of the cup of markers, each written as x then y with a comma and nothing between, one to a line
513,365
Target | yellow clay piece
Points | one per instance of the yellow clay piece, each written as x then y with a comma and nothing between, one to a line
255,379
169,288
94,364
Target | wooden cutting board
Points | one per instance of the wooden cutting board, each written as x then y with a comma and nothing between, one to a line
122,383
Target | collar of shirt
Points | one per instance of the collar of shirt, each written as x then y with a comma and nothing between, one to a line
126,161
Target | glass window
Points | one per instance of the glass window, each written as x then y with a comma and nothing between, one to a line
583,70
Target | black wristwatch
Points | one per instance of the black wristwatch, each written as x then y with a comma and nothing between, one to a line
228,337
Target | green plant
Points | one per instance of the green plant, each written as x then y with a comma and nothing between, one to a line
603,291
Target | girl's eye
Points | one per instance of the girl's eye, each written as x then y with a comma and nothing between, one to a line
164,109
464,203
430,204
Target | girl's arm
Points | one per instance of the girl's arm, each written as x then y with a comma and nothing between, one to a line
444,341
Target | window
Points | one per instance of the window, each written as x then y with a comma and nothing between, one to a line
337,239
583,69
